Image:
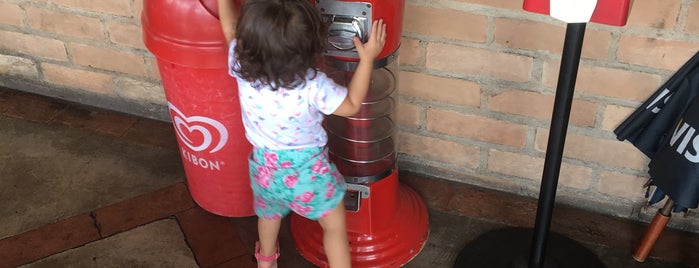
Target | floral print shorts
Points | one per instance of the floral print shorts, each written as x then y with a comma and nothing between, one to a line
300,180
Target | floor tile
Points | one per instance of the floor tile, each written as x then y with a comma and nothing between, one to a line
213,239
51,172
498,207
154,133
47,240
427,189
33,108
143,209
245,261
159,244
6,97
107,123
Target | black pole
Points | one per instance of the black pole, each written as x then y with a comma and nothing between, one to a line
570,60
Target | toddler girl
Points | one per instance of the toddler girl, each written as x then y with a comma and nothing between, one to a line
283,95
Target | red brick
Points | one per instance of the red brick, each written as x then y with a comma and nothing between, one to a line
33,108
410,51
540,106
143,209
622,185
11,14
509,4
655,14
532,168
138,9
476,61
693,18
6,98
102,122
440,89
141,91
445,23
245,261
88,80
113,7
493,206
408,115
476,127
18,67
537,36
33,45
434,149
657,53
529,35
125,34
435,192
153,71
614,115
608,82
64,23
151,132
213,238
108,59
47,240
604,151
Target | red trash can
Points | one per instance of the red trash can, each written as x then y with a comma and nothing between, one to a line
191,51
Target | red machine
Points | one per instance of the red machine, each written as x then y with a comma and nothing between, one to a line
203,102
610,12
387,222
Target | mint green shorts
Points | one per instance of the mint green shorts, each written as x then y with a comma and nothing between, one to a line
299,180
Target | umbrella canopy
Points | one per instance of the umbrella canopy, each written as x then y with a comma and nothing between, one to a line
659,127
649,125
675,167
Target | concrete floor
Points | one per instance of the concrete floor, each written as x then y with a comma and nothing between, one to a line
84,187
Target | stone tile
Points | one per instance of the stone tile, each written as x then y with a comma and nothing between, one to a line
436,194
6,96
32,107
245,261
158,244
492,206
102,122
213,239
47,240
594,228
143,209
151,132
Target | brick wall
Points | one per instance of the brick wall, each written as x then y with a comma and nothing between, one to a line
476,88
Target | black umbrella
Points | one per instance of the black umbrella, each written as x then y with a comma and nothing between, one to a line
664,128
651,128
648,126
675,167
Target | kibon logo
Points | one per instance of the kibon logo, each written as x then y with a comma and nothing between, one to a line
199,134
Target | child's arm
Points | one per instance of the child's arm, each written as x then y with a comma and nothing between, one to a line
228,18
359,85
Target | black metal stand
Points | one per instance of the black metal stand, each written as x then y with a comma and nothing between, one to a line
570,61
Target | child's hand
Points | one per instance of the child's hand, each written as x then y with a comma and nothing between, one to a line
377,38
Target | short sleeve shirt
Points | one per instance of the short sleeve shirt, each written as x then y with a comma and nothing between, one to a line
287,118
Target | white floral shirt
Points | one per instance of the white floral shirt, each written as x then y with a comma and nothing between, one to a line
287,118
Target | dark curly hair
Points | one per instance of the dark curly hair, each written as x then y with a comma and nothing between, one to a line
278,41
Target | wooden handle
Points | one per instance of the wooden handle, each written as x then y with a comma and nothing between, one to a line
653,232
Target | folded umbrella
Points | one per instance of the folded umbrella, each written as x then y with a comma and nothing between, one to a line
651,127
674,169
648,126
664,128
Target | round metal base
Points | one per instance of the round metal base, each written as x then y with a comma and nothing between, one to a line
387,244
509,248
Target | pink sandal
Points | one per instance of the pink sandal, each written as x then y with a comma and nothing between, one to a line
262,258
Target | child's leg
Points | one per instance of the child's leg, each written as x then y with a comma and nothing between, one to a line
268,230
335,237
